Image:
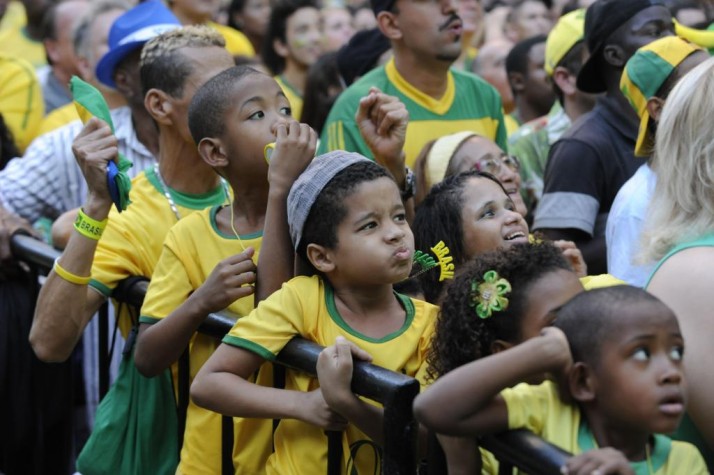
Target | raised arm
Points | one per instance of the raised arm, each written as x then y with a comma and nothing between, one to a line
466,401
294,150
66,304
382,120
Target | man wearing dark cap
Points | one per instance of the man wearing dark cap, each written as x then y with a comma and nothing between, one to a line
590,163
426,40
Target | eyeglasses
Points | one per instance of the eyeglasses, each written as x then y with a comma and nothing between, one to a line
493,165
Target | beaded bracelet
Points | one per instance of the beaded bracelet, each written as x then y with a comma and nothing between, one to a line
68,276
88,227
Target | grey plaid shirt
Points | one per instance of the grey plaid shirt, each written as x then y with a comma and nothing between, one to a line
47,181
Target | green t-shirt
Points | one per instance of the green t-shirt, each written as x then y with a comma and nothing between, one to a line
469,103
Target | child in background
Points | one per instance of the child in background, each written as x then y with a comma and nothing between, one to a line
348,221
231,118
617,354
540,282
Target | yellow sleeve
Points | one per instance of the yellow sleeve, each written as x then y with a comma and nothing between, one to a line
528,405
170,285
117,256
237,43
20,100
276,320
684,458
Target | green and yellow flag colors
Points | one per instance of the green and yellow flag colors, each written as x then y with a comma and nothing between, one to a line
90,103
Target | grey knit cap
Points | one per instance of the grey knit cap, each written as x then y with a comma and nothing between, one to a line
310,184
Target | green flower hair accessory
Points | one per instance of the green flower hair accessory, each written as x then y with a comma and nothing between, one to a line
490,295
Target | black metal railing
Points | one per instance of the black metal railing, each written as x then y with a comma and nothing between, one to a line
394,391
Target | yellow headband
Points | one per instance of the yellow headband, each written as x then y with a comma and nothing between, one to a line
437,161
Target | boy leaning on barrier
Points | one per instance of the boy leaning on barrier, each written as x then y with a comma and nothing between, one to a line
346,219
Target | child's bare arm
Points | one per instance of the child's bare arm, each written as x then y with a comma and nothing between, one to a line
222,386
466,401
334,370
294,150
462,454
605,461
159,345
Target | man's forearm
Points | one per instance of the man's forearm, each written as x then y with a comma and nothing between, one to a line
64,308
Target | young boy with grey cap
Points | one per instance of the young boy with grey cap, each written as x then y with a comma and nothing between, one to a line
348,221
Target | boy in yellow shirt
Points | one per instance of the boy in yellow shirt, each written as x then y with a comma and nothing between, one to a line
617,355
231,118
346,219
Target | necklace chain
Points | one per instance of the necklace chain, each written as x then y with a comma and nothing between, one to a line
233,228
172,204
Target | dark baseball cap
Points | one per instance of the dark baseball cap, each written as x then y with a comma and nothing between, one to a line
601,20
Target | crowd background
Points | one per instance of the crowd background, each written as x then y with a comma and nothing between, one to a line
566,110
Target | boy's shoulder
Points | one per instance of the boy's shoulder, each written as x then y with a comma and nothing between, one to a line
682,457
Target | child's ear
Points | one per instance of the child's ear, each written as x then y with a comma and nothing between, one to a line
212,152
159,105
498,346
654,107
581,382
280,48
320,257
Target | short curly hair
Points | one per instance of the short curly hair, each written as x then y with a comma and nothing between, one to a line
438,218
461,336
164,67
590,317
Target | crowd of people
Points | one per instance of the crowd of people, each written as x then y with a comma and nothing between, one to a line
511,201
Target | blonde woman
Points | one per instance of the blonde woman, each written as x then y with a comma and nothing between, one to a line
680,236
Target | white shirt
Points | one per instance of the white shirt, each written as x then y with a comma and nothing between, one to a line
624,228
47,181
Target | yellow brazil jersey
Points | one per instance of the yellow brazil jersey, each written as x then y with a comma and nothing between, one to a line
294,97
20,99
305,306
15,42
132,241
540,410
192,249
237,43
